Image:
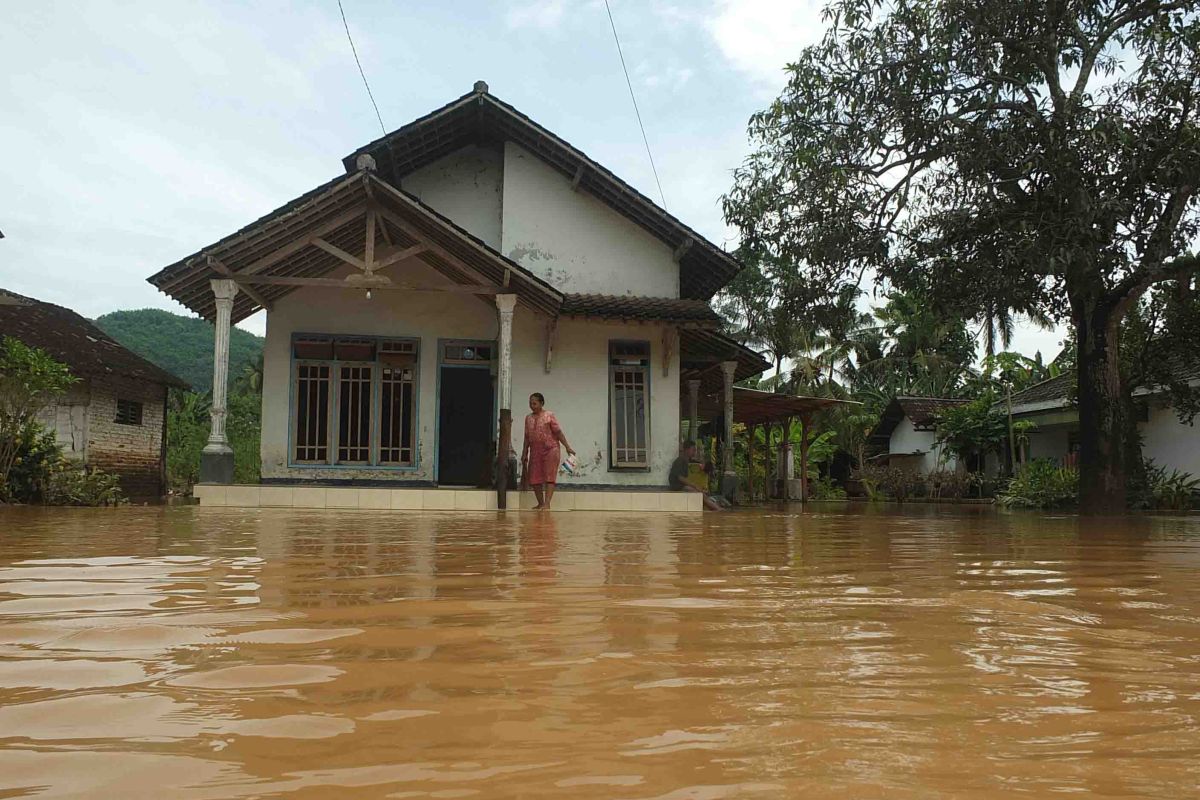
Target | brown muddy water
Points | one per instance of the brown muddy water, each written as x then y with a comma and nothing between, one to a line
224,653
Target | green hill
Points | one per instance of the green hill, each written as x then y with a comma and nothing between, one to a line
178,344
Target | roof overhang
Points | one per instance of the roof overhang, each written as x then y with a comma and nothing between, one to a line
755,407
480,118
323,230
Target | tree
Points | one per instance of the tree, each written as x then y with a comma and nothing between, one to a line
30,380
1033,156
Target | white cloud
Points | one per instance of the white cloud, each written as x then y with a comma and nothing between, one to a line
541,14
760,37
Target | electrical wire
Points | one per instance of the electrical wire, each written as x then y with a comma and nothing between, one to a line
629,83
354,50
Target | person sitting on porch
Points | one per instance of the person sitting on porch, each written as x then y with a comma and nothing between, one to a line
540,454
679,480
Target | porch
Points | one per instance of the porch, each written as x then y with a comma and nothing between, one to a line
436,499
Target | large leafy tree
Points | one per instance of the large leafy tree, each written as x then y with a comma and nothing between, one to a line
1033,156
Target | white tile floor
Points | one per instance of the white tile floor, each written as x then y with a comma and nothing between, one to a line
436,499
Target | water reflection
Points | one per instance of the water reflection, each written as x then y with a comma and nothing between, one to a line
227,653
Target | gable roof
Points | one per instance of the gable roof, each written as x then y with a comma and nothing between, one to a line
1051,393
922,411
479,117
86,350
627,307
336,212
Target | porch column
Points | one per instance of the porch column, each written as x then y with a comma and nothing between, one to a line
216,460
693,409
805,426
729,478
505,304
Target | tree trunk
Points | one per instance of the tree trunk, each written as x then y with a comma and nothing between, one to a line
1102,411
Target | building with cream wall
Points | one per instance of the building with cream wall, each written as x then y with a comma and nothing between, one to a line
387,285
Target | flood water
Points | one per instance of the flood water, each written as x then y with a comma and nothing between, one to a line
225,653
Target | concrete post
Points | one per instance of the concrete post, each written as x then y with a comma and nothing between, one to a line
693,409
505,304
729,478
216,460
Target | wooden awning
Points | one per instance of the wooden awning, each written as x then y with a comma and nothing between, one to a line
754,407
325,229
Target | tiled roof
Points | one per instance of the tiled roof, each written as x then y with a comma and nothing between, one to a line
922,411
1056,389
88,351
664,309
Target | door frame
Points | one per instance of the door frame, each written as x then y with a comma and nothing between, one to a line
437,411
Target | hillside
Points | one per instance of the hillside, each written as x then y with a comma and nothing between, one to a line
181,345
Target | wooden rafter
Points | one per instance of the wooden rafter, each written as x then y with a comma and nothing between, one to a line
433,247
338,252
375,282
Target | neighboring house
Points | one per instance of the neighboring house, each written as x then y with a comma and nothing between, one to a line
1165,439
113,417
464,261
907,434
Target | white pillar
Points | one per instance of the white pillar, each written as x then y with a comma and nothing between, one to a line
216,462
505,303
693,409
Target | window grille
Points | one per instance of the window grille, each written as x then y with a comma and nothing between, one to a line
312,413
354,415
129,412
629,374
396,416
354,401
465,353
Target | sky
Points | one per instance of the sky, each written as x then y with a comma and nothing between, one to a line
135,133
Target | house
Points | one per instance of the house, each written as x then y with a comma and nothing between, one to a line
907,434
114,416
459,264
1166,440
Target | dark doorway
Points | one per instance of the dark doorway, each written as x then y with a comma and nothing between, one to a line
465,426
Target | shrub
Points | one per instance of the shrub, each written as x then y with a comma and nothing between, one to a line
72,485
949,483
1042,484
1170,490
34,459
825,489
895,482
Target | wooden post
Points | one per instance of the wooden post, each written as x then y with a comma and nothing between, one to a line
805,421
216,460
505,304
693,409
729,477
750,458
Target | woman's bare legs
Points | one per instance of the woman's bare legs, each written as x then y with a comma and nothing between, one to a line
549,490
537,492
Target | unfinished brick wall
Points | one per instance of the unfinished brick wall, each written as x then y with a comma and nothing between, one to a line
133,452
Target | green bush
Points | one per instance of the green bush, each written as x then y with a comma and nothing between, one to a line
1042,484
825,489
896,483
951,484
72,485
1171,490
36,455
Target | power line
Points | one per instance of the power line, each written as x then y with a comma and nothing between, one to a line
629,83
354,50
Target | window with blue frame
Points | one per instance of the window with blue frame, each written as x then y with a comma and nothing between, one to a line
354,401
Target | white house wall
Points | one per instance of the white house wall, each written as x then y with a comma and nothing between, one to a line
1171,443
465,186
1050,441
574,241
906,439
576,389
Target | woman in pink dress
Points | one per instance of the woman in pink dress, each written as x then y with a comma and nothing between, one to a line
539,456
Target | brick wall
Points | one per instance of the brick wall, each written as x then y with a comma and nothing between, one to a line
133,452
68,419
